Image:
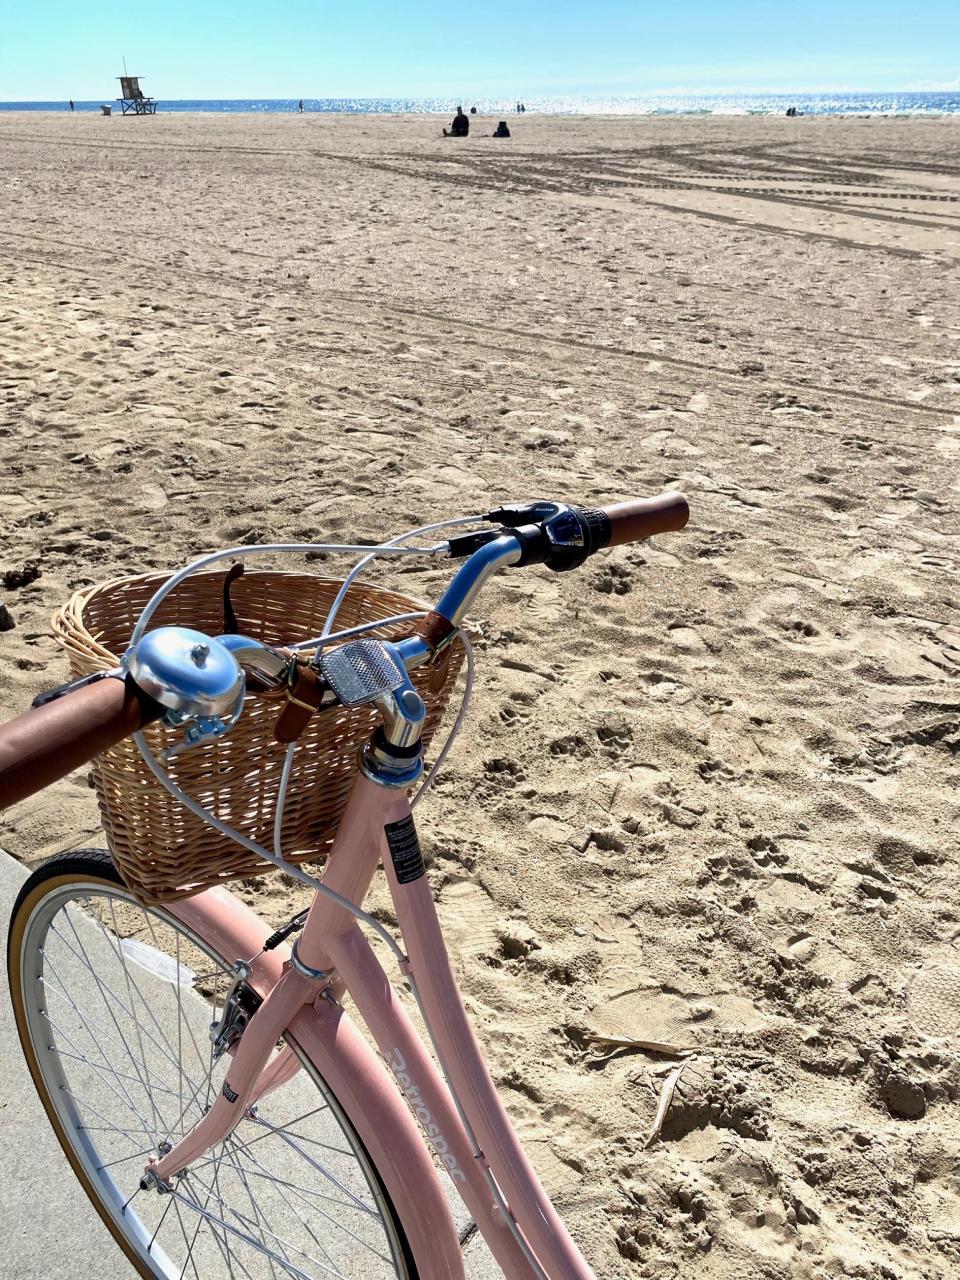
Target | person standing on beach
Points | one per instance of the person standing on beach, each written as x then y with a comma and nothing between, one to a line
71,104
301,106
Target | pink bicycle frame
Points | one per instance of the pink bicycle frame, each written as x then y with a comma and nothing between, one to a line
462,1117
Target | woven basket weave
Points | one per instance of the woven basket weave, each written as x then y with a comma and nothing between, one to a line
162,850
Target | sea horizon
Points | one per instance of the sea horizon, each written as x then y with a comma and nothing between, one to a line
906,102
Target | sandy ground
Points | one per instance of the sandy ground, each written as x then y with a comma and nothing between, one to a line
709,792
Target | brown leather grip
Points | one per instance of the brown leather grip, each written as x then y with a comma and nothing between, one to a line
646,517
48,742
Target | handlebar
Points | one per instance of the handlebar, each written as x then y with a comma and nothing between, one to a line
646,517
558,536
49,741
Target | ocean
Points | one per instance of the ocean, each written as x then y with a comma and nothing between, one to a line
815,104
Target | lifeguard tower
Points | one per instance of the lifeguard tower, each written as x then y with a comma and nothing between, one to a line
132,98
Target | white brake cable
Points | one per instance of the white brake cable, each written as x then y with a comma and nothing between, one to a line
231,833
326,637
239,553
320,642
391,542
454,728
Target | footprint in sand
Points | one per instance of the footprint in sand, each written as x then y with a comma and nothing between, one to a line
469,918
570,745
154,498
716,771
686,638
719,542
698,403
614,738
661,686
933,997
797,628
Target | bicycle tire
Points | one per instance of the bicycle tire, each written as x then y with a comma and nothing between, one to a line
92,869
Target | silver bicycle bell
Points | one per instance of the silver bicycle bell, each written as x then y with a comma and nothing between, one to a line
195,677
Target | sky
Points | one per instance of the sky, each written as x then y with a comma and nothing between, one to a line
58,49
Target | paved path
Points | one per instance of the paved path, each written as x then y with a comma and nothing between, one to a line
39,1196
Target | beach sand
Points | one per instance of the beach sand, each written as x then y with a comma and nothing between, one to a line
708,794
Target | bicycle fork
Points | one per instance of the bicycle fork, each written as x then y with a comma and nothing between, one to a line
250,1077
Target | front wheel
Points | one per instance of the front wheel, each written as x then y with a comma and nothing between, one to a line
114,1003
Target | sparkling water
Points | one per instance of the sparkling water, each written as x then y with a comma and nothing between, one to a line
741,104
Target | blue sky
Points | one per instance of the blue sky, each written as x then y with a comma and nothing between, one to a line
54,49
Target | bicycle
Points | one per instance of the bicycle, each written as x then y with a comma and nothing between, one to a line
273,1141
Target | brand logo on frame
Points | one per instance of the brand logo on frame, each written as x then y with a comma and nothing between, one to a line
415,1099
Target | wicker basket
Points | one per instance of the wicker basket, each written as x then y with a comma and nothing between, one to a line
165,852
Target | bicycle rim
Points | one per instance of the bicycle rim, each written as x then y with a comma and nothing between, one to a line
114,1003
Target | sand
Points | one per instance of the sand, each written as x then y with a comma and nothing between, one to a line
709,790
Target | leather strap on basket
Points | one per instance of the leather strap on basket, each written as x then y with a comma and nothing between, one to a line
439,633
304,696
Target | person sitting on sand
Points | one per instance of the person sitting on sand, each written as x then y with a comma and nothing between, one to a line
501,130
460,127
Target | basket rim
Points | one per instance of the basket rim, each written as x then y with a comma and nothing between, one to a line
68,626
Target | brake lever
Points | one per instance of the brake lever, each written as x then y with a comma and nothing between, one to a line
465,545
511,517
554,534
515,514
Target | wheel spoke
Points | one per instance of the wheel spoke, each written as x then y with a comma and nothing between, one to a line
179,1026
299,1194
116,1075
104,988
163,1218
270,1133
188,1242
245,1222
132,1156
100,1043
133,1135
253,1204
114,940
100,986
305,1226
321,1169
145,1131
178,1128
97,1033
